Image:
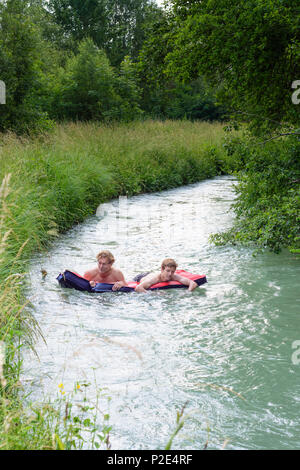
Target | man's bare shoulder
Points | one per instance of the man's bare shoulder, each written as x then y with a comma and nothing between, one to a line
117,272
90,274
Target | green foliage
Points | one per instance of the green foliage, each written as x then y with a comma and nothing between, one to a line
129,92
70,422
249,48
128,21
180,420
166,97
56,63
81,19
116,26
194,101
75,422
90,89
268,196
51,32
50,74
87,85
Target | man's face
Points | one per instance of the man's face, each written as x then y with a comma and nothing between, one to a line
104,265
167,272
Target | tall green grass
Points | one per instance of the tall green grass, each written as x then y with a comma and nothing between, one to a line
58,179
53,181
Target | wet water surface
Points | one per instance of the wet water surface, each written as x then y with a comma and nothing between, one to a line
225,351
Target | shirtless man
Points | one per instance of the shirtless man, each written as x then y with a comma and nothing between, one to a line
167,273
105,272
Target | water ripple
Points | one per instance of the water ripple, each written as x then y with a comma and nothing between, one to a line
225,349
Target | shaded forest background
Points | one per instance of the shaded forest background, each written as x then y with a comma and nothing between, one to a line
127,59
90,60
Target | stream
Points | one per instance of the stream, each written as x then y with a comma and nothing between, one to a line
225,352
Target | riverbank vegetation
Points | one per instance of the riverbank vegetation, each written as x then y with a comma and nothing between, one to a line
267,206
120,61
250,51
65,60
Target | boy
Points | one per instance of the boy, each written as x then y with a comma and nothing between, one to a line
167,273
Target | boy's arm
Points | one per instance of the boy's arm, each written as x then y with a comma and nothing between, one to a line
185,281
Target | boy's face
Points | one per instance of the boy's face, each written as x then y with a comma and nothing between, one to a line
167,273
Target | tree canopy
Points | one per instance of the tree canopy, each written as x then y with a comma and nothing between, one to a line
117,26
20,68
250,49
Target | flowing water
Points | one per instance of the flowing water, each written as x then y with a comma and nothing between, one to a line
224,351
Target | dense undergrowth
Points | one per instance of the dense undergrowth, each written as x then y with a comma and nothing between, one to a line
267,206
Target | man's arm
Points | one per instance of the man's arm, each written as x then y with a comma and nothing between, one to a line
121,282
88,275
185,281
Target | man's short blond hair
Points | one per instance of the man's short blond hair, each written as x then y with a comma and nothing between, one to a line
169,262
106,254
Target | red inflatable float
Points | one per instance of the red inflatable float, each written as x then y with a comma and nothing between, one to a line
73,280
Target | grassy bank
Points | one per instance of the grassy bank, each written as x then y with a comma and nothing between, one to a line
51,182
60,178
